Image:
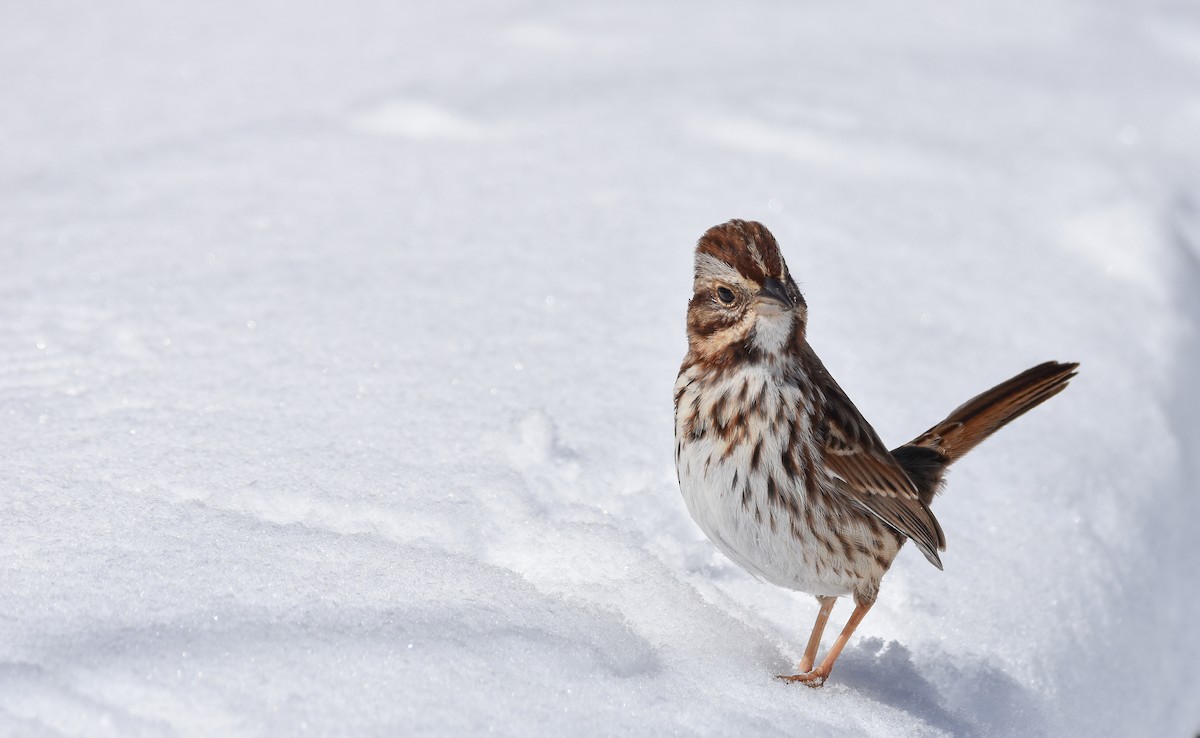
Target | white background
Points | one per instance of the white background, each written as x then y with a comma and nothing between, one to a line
337,344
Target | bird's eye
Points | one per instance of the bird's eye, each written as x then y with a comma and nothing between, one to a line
725,295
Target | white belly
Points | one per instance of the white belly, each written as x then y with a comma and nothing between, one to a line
771,535
746,535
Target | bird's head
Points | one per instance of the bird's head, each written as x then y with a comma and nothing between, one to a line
744,300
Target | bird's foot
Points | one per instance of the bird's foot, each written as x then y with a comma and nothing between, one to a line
814,678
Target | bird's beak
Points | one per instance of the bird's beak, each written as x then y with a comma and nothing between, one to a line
774,295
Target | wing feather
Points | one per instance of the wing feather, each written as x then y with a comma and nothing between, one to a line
870,476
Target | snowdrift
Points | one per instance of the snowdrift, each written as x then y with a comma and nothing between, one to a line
338,344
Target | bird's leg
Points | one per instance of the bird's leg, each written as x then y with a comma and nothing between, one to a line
817,676
814,640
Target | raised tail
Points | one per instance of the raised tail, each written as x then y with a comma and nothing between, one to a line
926,457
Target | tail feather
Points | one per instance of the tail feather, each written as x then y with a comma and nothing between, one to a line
977,418
927,456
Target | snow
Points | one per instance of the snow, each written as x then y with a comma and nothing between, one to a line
338,345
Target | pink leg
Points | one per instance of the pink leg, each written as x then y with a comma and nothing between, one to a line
817,677
814,640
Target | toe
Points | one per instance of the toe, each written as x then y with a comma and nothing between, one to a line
814,679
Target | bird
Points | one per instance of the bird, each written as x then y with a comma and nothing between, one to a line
777,466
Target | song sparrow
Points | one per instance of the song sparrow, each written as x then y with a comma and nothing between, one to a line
778,467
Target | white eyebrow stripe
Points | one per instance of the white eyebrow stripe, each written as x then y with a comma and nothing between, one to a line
710,267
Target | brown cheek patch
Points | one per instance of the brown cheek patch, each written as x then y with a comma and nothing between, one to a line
702,323
705,320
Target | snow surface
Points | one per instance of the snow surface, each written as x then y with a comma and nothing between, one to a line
337,346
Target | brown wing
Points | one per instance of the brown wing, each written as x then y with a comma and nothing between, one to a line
870,476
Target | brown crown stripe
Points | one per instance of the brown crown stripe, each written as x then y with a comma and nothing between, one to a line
743,245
